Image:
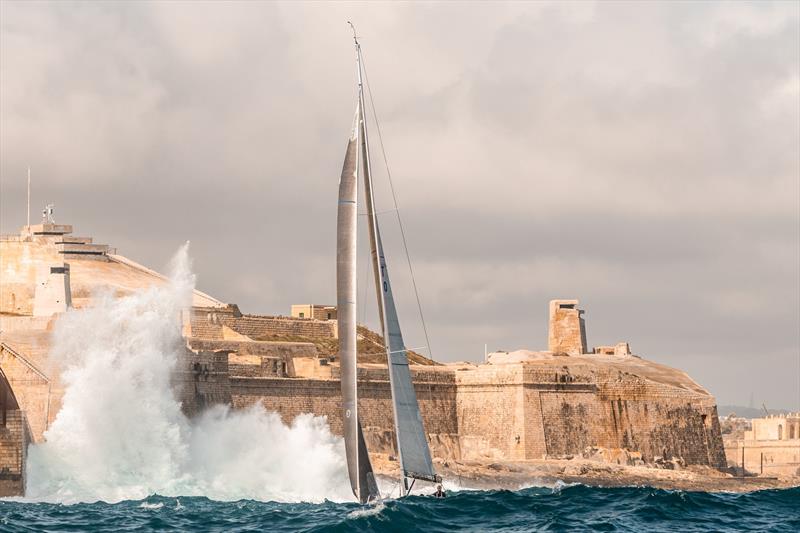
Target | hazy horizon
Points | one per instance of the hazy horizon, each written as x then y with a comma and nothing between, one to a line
641,157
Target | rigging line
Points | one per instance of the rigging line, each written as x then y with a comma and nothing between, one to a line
385,211
364,256
364,301
394,199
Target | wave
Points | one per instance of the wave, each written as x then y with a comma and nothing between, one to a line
121,435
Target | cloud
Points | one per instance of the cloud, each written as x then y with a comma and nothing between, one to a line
641,157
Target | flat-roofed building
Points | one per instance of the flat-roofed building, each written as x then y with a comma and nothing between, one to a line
317,311
771,447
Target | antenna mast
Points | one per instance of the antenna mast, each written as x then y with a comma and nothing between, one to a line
29,198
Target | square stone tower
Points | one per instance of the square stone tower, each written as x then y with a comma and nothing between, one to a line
52,293
567,332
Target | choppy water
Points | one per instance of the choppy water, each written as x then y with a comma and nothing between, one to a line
568,509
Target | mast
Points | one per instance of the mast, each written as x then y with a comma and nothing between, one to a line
359,468
412,446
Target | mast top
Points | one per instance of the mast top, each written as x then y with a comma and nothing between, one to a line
355,37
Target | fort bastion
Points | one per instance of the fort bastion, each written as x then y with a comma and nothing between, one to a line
516,406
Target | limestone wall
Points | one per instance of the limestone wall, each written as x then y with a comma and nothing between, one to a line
261,326
768,458
207,324
36,391
291,397
14,439
514,412
202,380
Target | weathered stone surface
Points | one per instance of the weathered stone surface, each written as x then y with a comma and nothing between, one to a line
521,411
14,439
567,331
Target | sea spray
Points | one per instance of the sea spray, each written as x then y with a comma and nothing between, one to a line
120,433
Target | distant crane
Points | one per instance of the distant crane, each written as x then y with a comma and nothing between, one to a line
764,407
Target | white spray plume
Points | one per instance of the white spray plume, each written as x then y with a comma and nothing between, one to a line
120,433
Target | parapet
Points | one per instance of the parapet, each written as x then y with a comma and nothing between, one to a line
567,331
46,229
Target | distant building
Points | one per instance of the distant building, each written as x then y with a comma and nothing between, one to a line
771,447
319,312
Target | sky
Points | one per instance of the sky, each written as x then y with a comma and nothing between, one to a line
642,157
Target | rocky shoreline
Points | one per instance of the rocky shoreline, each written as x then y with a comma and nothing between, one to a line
549,472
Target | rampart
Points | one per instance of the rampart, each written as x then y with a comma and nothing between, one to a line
515,412
518,406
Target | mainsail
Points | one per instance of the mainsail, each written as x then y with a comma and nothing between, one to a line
412,445
359,467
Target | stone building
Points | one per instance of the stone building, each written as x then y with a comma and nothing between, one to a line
567,332
316,311
771,447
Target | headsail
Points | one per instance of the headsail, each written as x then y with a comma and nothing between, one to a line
359,467
412,446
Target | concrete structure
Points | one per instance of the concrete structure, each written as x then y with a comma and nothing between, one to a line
316,311
52,294
519,406
770,448
567,331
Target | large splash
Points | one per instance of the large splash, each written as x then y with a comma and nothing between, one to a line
121,435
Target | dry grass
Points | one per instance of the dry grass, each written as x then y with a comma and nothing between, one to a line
370,346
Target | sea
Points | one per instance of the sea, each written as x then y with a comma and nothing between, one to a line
563,508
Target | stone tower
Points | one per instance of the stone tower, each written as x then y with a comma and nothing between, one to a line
52,293
567,332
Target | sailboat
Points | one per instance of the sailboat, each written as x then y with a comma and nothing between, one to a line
414,454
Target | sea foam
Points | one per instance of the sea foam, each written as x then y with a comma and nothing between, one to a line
121,435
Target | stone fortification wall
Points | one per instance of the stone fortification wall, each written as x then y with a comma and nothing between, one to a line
207,324
552,411
202,380
260,358
322,397
14,439
287,350
37,392
515,412
262,326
